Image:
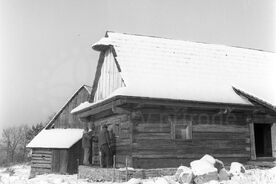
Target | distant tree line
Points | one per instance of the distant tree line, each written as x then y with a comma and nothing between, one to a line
13,142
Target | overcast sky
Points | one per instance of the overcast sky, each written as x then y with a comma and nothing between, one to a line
45,45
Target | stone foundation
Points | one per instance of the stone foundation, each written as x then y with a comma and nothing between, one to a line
119,175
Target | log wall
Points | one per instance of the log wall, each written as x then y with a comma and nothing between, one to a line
65,119
224,136
41,161
123,138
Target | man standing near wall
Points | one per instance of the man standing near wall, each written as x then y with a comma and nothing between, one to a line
112,146
104,144
86,145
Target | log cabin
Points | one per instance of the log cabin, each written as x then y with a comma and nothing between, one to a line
57,148
171,101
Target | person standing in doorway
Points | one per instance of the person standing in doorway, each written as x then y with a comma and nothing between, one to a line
86,145
104,144
112,146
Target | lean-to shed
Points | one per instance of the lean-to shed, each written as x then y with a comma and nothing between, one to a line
171,101
57,148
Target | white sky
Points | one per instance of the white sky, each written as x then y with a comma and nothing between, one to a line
45,45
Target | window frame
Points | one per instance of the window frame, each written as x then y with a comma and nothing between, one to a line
189,128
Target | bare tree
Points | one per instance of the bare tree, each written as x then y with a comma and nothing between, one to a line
12,138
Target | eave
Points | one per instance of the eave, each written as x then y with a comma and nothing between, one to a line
129,102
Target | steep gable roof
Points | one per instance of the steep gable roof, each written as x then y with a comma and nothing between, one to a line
87,88
173,69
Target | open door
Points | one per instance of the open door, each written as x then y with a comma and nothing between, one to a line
263,141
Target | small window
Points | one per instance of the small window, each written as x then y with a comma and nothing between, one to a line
182,131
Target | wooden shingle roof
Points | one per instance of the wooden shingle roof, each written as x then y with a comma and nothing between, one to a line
173,69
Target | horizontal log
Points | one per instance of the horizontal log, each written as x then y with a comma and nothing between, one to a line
151,136
187,156
207,148
49,152
195,150
41,162
174,162
41,149
198,149
40,170
41,166
220,135
41,155
171,144
158,128
41,158
220,128
125,141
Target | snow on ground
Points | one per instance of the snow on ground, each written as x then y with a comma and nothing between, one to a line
19,174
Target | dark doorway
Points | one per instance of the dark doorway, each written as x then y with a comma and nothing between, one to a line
263,140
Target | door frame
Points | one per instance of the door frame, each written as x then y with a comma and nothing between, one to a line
252,140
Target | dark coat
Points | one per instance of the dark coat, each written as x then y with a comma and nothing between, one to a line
104,138
86,137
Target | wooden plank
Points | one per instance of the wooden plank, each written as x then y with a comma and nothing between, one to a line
207,147
144,128
63,161
42,151
220,135
40,169
190,145
252,141
150,136
42,166
100,107
39,158
263,119
190,156
41,162
175,162
220,128
97,76
56,160
42,155
186,103
131,127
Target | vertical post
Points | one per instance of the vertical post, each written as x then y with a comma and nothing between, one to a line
252,141
126,170
78,163
114,164
273,141
100,158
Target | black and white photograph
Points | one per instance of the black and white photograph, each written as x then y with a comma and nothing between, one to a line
137,92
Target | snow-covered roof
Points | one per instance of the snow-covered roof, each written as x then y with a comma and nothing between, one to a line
184,70
56,138
174,69
88,88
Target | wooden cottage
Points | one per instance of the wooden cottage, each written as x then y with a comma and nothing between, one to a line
170,101
57,148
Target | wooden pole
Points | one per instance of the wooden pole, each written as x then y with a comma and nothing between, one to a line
126,170
100,158
114,164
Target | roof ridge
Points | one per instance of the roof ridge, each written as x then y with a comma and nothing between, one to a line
218,44
49,124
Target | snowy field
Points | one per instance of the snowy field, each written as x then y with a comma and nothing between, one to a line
19,174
